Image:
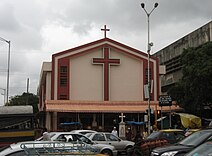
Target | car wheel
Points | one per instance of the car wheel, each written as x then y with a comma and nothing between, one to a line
128,148
107,152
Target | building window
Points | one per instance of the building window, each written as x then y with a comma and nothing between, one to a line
63,69
63,97
63,76
63,81
173,64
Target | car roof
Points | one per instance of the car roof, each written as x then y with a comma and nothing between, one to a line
193,130
53,134
103,132
171,130
205,130
56,134
61,133
208,129
83,130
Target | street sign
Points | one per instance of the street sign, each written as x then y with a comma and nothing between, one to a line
146,91
165,100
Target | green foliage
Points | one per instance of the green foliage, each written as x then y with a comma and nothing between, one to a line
194,90
177,93
25,99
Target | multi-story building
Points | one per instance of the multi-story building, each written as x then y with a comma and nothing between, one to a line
170,55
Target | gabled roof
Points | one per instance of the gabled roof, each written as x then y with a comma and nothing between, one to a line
100,43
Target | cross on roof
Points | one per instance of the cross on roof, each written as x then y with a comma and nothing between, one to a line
105,30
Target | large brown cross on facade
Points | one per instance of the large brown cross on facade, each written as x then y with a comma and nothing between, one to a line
106,62
105,30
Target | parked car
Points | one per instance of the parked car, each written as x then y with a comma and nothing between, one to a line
171,135
75,137
204,149
110,139
184,146
83,131
157,139
46,148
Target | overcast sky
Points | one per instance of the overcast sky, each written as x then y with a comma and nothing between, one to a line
39,28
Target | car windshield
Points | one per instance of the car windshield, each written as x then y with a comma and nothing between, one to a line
111,137
196,138
153,135
85,139
204,149
88,134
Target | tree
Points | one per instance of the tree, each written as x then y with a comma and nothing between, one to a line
194,90
25,99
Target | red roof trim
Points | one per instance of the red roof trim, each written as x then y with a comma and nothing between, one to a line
97,42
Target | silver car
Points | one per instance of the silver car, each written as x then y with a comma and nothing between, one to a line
76,137
110,139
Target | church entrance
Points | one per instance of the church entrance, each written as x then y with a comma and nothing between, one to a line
95,121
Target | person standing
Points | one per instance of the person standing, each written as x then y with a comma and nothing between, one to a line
46,136
129,134
114,131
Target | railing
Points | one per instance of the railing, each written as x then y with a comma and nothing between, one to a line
58,148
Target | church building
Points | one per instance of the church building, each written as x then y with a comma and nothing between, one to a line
95,83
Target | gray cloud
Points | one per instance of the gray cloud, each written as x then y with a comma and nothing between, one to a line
8,23
38,28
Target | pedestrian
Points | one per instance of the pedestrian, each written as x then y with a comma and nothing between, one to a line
114,131
129,134
154,128
46,135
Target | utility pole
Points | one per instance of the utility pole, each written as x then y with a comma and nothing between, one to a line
8,66
27,85
149,45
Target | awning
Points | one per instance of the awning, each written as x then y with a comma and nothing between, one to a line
160,119
189,120
70,123
134,123
101,106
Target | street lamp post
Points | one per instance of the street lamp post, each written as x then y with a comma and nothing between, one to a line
8,67
149,45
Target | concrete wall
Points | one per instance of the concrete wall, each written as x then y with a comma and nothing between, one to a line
170,55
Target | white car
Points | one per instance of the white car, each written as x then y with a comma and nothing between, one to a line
110,139
83,131
75,137
46,148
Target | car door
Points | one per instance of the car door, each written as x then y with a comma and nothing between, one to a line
115,141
